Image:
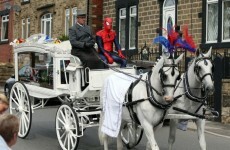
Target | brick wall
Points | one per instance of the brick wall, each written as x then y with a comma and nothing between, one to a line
5,49
96,12
188,15
149,17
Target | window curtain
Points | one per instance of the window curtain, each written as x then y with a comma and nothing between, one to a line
132,31
226,20
212,22
5,31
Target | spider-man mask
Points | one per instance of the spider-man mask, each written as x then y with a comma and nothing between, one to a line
108,24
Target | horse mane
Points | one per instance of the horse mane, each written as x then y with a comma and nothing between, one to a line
191,61
158,64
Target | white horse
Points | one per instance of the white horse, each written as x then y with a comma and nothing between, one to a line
156,90
197,77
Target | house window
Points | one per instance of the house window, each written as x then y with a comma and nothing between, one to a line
25,2
122,25
23,29
131,14
127,25
74,15
169,3
212,21
67,21
28,28
4,28
226,21
46,23
132,27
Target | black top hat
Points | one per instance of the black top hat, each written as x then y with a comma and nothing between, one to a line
81,13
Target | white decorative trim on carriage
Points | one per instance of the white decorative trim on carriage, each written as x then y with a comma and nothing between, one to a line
62,48
40,41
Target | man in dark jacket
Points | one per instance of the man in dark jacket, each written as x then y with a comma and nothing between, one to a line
82,41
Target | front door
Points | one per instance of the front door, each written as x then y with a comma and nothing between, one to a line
168,17
169,12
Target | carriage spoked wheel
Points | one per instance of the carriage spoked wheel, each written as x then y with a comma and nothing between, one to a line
67,127
131,134
20,106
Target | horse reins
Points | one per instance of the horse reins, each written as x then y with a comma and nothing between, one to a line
150,89
188,92
150,97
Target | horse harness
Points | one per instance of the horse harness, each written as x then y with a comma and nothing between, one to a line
150,95
196,67
188,92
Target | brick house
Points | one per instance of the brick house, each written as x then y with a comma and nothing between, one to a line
139,21
50,17
6,32
6,36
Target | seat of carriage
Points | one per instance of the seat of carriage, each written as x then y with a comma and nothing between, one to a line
88,82
77,61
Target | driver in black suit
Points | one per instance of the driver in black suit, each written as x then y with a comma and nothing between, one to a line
82,41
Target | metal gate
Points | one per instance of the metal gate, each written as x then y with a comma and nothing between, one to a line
215,100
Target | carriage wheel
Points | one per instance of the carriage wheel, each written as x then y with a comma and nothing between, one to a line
131,135
20,106
67,127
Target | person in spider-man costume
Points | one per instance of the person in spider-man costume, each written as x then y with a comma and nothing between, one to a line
105,39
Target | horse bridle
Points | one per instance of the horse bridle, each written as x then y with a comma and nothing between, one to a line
188,92
150,94
196,67
163,76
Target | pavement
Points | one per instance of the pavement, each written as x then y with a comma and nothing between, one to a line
211,127
214,128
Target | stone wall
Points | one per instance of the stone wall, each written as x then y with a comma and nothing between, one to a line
37,8
226,101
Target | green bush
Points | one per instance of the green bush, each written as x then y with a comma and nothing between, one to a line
63,37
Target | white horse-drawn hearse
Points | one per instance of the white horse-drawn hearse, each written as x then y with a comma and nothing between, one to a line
52,72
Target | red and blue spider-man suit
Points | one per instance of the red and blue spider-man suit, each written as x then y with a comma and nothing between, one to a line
105,39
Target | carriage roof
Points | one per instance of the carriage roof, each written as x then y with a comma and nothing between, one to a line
45,47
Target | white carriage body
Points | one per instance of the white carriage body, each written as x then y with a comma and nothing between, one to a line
48,70
59,53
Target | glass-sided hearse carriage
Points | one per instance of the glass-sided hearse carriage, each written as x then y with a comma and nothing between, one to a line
45,70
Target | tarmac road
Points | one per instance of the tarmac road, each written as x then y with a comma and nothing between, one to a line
43,136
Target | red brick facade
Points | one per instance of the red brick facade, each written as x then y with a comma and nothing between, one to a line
96,15
6,55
